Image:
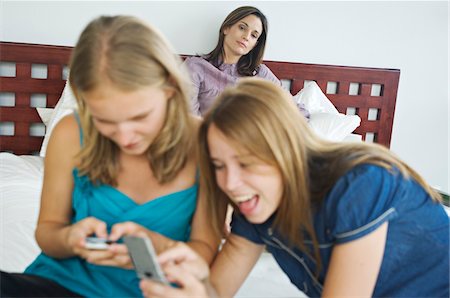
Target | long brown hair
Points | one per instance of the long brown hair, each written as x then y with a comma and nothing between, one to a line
248,64
130,54
263,119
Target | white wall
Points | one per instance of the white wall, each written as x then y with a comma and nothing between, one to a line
409,35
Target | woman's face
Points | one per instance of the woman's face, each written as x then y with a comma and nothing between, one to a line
131,119
241,38
253,185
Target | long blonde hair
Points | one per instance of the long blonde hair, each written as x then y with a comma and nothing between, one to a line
263,119
130,54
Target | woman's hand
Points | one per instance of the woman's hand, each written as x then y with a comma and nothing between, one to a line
184,267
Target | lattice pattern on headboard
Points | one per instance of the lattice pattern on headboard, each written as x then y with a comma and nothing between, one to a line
369,92
28,71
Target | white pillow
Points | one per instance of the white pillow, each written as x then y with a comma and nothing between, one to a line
66,105
45,114
334,127
325,119
353,137
312,97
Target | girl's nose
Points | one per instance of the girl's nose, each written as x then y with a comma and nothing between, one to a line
234,180
124,135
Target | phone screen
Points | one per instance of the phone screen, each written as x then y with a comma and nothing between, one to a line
97,243
144,259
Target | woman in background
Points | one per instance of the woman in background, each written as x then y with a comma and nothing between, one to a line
342,220
238,53
124,164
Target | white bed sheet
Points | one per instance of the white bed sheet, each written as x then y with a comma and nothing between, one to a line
268,280
20,188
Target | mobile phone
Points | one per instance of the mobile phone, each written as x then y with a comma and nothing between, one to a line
97,243
143,256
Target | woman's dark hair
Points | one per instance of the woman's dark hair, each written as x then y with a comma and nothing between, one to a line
248,64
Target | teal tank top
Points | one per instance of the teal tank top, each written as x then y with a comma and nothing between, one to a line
169,215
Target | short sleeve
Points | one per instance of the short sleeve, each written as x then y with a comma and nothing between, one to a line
360,202
196,75
241,227
265,73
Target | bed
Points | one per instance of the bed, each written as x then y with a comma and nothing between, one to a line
32,79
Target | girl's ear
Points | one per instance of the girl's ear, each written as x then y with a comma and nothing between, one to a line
170,92
225,30
169,89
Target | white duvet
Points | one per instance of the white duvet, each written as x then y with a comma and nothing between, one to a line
20,188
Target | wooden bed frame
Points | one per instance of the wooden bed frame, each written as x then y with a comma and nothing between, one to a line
369,92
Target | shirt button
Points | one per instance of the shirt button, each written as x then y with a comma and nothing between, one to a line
328,231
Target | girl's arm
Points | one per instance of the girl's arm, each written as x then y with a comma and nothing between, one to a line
233,264
54,233
202,239
355,265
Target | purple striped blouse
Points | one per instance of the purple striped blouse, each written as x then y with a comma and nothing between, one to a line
209,81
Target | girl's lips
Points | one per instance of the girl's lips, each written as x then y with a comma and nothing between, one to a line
249,206
131,146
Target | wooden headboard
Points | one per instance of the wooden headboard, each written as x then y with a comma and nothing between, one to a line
368,92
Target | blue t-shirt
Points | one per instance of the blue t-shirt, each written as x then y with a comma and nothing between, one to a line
416,257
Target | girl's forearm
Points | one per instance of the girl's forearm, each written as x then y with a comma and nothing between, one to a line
52,238
204,249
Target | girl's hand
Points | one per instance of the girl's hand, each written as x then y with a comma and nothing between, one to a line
181,256
159,241
78,232
115,255
128,228
189,285
184,267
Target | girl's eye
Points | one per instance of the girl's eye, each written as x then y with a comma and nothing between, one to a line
255,36
244,165
242,27
217,166
140,118
104,122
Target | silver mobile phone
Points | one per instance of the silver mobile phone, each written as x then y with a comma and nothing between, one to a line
97,243
144,259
